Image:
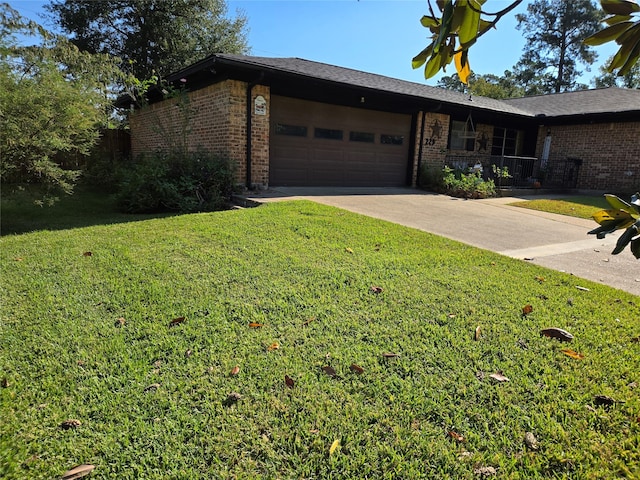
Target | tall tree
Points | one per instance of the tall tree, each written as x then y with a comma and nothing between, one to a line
53,99
489,85
152,37
554,31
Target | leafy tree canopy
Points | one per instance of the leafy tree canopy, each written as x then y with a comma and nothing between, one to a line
53,99
152,37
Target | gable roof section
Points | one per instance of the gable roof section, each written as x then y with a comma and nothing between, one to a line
608,104
609,100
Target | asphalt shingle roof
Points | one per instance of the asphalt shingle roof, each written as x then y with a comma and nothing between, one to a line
373,81
610,100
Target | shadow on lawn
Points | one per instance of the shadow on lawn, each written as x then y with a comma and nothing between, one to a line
86,207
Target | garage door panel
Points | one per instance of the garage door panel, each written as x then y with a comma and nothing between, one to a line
352,161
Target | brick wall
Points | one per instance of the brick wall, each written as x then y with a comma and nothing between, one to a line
610,153
214,119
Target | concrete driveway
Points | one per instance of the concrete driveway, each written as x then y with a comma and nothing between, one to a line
554,241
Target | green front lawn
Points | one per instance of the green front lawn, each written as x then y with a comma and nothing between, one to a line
154,400
574,206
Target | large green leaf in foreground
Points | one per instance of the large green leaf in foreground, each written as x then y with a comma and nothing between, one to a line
155,401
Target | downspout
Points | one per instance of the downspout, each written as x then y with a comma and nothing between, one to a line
250,86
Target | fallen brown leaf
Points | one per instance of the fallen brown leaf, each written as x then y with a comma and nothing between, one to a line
188,353
584,289
476,336
255,325
176,321
235,370
232,398
4,383
570,353
376,289
329,370
334,447
78,472
87,254
348,250
390,355
288,381
499,377
71,423
120,322
558,333
526,310
540,279
531,441
273,346
152,387
603,400
308,321
456,436
357,369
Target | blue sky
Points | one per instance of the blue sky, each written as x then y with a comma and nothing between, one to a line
377,36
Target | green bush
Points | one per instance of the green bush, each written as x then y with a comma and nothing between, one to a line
176,182
458,183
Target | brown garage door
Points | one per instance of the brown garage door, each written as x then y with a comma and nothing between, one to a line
315,143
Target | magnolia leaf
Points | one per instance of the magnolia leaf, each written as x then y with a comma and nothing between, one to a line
540,279
476,336
71,423
499,377
526,310
235,370
584,289
632,60
456,436
329,370
334,446
255,325
376,289
176,321
78,472
152,387
462,66
570,353
603,400
232,398
469,28
531,441
273,346
390,355
429,22
87,254
421,58
188,353
348,250
619,7
445,29
608,34
625,51
357,369
288,381
558,333
433,66
120,322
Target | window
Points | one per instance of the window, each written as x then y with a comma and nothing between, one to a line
458,138
328,134
392,139
362,137
292,130
506,141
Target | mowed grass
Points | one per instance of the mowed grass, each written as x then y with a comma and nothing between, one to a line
151,398
574,206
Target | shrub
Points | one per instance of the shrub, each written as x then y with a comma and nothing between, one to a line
176,181
458,183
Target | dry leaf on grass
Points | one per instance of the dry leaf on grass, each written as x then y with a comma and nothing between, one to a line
188,353
308,321
456,436
499,377
531,441
375,289
87,254
584,289
558,333
152,387
390,355
78,472
273,346
540,279
288,381
485,471
235,370
334,446
603,400
348,250
476,336
255,325
232,398
4,383
357,369
526,310
570,353
120,322
329,370
176,321
71,423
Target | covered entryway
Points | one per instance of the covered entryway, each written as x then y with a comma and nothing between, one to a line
318,144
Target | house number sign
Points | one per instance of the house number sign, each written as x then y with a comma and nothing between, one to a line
260,105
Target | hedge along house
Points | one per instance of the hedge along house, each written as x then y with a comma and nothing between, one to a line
293,122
